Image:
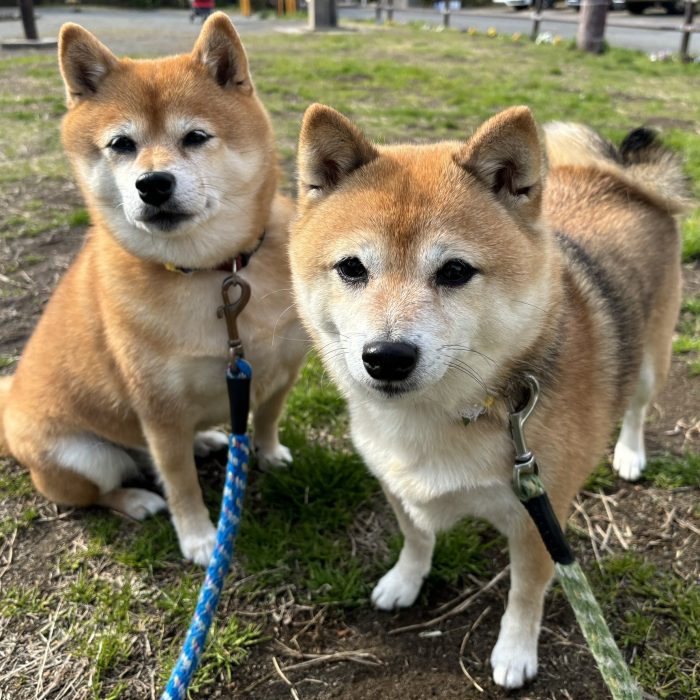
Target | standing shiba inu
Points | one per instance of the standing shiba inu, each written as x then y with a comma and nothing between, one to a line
176,160
432,278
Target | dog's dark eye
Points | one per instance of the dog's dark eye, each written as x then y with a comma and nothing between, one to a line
352,270
195,138
454,273
122,144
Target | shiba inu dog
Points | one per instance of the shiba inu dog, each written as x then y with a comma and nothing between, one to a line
433,277
176,160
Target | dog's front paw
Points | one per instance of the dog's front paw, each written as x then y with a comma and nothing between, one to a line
628,463
198,546
208,441
276,456
514,660
396,589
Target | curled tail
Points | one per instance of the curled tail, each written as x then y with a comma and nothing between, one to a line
656,168
5,384
641,161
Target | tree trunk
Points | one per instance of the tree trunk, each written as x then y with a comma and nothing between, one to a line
26,7
591,28
322,14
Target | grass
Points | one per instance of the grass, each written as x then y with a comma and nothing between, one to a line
687,340
318,534
661,629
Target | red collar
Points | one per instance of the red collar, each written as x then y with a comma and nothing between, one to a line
230,265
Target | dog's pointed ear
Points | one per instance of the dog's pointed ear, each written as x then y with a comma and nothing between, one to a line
506,155
220,50
84,62
330,148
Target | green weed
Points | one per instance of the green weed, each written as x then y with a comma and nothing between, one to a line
657,615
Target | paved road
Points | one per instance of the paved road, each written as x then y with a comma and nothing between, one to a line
135,32
622,30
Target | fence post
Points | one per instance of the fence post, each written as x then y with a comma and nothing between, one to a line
390,11
536,19
27,10
446,15
687,29
378,12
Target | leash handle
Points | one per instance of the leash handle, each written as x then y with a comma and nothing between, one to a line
238,379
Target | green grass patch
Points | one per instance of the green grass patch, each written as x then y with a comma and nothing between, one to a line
8,360
602,478
657,618
466,549
670,472
687,339
300,527
15,482
20,601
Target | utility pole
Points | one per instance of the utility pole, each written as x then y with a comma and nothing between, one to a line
26,8
591,28
322,14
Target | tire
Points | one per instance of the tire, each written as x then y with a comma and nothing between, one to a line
637,8
674,7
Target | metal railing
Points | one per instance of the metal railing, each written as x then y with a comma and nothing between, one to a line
687,28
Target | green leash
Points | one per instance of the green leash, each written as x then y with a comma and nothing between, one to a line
530,490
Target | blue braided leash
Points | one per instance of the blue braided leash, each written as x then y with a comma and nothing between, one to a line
227,530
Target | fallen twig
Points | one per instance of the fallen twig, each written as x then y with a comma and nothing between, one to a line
465,639
365,658
284,678
457,609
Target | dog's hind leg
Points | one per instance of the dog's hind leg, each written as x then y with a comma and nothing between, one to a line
136,503
629,458
399,587
83,470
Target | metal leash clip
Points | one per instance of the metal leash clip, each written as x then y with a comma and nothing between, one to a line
525,462
231,310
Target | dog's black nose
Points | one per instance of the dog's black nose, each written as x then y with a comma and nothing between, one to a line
155,187
389,361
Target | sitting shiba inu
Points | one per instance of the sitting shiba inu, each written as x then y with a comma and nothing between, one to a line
433,278
176,160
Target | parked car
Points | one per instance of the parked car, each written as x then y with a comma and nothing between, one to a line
673,7
524,4
636,7
612,4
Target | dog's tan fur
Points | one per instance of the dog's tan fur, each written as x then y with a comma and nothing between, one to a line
129,354
577,281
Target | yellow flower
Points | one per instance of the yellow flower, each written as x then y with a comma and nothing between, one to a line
472,31
491,32
517,36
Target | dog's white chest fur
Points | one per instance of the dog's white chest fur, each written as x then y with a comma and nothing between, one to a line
440,469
